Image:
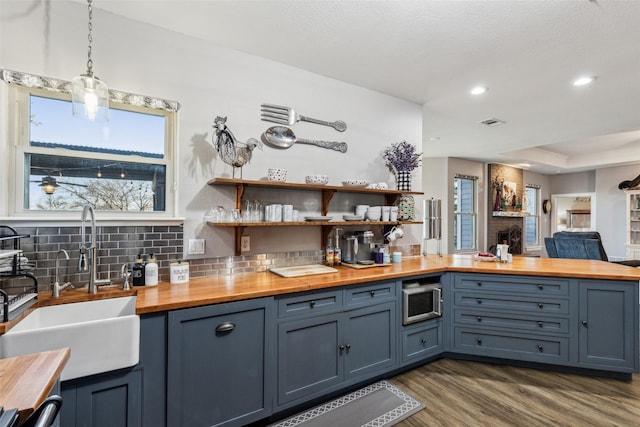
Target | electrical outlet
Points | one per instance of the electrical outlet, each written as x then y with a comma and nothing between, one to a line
245,243
196,246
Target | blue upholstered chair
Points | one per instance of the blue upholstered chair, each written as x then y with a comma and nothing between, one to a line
580,245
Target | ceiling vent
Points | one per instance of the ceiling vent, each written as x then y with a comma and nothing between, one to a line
493,122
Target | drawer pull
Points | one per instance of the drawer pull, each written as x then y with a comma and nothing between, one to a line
373,293
479,319
540,324
479,341
540,305
225,327
423,341
540,348
312,304
479,283
584,323
479,301
541,287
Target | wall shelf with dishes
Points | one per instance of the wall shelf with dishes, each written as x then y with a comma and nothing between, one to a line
327,192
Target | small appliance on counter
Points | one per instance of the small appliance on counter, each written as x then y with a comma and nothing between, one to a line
358,248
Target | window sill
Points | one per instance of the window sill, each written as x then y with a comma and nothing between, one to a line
101,218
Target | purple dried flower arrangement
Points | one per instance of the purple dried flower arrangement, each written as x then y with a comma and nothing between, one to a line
402,156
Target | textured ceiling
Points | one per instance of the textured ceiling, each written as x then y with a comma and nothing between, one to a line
433,52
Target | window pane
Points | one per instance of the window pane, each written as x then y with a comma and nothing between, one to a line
464,220
69,183
126,133
531,223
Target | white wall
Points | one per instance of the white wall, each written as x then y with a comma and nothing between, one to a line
209,81
611,207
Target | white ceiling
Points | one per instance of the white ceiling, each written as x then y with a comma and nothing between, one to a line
433,52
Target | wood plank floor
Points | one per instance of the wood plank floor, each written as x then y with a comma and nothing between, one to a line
461,393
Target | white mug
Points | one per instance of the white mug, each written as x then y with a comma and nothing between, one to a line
503,252
394,234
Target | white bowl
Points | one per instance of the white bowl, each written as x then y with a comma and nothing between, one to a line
316,179
275,174
355,183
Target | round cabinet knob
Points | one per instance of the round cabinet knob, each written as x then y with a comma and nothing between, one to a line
540,348
373,293
423,340
312,304
348,347
479,341
540,324
540,305
584,323
541,287
479,319
479,283
479,301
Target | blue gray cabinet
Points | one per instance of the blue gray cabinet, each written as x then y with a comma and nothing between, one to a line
511,317
219,364
330,339
608,317
422,340
105,400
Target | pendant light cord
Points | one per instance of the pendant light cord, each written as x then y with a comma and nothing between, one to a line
90,38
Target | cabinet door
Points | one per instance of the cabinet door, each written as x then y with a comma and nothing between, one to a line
608,319
216,365
112,400
370,340
309,359
422,341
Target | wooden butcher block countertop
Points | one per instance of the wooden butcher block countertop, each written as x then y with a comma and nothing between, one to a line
219,289
26,381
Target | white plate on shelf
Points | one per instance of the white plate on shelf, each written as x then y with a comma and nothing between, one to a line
355,183
353,217
318,218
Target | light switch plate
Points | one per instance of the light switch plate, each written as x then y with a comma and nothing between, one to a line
196,246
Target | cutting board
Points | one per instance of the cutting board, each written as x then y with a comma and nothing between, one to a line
359,266
303,270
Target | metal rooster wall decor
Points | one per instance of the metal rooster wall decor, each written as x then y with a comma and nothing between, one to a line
230,150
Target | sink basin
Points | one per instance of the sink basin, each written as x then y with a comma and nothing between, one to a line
103,335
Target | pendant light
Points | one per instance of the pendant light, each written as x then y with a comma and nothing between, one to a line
90,95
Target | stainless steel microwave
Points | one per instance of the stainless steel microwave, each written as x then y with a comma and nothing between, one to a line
421,302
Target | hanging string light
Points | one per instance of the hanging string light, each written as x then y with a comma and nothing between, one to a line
90,95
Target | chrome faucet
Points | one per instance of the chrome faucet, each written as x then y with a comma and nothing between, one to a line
57,287
92,250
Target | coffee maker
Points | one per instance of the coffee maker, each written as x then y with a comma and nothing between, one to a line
358,247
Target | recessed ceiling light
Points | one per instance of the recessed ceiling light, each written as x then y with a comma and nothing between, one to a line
479,90
584,81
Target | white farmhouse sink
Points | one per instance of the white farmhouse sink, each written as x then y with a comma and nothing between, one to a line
103,335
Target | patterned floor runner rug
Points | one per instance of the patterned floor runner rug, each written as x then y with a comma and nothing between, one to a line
378,405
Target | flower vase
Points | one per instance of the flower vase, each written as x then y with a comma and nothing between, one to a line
497,205
403,179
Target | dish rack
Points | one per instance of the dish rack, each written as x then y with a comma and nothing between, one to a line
12,305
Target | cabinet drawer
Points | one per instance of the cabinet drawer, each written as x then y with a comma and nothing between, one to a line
421,342
370,293
541,286
309,303
484,319
512,346
511,302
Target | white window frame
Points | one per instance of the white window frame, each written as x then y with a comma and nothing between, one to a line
473,215
17,144
538,216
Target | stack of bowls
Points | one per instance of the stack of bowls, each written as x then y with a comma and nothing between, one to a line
361,210
374,213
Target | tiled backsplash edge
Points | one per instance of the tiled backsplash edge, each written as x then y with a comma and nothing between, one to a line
120,245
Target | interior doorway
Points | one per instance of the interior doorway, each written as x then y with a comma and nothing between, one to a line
573,212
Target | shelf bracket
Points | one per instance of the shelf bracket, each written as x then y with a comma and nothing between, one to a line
327,195
239,230
240,188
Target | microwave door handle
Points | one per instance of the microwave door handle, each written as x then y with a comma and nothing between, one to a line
438,302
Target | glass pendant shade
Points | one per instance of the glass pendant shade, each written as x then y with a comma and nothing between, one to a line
90,98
